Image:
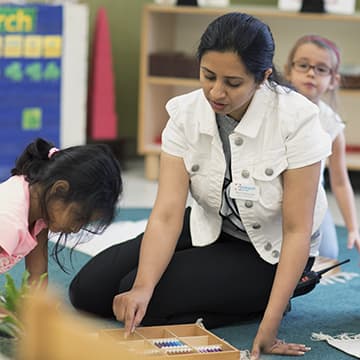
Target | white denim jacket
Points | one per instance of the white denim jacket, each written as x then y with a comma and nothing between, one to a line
280,130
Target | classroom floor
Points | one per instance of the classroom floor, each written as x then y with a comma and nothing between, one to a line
140,192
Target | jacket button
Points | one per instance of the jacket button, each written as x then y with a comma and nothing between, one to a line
268,246
245,173
238,141
256,226
195,167
248,204
269,171
275,254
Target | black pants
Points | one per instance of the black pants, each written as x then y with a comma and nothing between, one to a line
222,283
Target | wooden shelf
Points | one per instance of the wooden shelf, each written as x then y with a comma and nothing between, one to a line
173,81
178,29
251,9
353,161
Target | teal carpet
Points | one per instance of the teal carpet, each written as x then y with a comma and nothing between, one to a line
331,309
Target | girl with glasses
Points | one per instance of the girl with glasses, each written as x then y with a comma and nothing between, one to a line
312,68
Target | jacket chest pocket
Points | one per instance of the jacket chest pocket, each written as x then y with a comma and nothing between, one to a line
267,176
196,167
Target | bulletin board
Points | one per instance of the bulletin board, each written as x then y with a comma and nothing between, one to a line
30,78
33,91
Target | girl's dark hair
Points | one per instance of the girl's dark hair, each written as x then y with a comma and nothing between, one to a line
94,178
248,37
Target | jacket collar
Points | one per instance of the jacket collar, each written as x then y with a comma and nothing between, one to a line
251,121
207,116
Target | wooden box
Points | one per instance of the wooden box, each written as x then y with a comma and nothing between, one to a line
187,342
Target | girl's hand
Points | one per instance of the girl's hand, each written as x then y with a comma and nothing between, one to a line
353,240
268,344
130,307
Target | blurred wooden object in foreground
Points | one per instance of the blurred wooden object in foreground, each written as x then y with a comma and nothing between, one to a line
51,333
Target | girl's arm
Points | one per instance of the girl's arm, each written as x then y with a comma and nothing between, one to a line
159,241
300,189
342,189
36,262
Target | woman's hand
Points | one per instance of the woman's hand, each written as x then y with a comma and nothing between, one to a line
158,243
268,344
295,251
130,307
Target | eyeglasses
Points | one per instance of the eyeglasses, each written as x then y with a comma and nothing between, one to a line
304,67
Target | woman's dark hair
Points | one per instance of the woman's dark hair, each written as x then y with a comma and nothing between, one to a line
94,178
245,35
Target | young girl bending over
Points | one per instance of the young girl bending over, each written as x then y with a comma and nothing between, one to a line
62,191
312,68
248,150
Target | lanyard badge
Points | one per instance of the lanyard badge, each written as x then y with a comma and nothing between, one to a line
244,191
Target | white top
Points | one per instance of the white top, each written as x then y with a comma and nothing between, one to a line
16,241
332,124
280,130
330,120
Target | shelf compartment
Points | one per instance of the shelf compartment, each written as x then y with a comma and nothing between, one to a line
156,119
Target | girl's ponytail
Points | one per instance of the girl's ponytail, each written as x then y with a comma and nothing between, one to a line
33,159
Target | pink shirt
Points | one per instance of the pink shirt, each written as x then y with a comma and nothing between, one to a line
16,241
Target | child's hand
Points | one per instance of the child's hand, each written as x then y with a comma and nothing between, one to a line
353,240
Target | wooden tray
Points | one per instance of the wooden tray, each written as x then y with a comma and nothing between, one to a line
190,341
